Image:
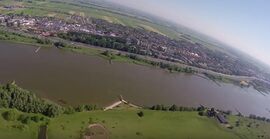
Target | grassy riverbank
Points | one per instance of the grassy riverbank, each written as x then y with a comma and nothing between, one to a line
15,128
13,37
123,124
101,53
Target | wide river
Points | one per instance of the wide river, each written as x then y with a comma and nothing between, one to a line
80,79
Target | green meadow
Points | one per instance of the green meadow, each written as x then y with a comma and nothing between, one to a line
125,123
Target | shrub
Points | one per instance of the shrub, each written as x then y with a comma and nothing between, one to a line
35,118
80,108
27,120
53,110
69,110
201,113
138,133
19,126
22,117
10,115
173,108
140,114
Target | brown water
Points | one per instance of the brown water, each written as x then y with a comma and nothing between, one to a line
79,79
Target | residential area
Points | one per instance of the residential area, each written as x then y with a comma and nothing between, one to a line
142,41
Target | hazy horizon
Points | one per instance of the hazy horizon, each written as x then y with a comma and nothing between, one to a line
241,24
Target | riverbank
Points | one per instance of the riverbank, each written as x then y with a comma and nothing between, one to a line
162,122
123,124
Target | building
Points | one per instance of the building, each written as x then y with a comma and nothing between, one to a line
221,119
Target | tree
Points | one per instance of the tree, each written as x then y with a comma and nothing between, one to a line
140,114
201,113
53,110
80,108
60,44
173,108
69,110
89,107
228,112
12,96
158,107
201,108
164,108
106,53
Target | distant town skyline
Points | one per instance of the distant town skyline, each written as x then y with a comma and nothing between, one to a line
243,24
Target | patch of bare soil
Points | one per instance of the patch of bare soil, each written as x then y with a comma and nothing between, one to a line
96,131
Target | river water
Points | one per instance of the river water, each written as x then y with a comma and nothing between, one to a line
73,78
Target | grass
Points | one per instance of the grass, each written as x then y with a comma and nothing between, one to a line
19,38
98,52
14,37
250,129
125,123
16,129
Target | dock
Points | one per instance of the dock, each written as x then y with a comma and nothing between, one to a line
37,49
121,101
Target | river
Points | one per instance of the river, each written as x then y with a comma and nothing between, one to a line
73,78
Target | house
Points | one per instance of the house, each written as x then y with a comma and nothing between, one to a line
244,83
221,118
211,112
46,34
2,19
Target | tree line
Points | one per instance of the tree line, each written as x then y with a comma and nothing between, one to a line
170,67
97,40
160,107
253,116
4,35
14,97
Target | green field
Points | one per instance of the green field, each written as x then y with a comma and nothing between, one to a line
123,124
126,124
16,129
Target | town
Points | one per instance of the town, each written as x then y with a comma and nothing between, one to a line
138,40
